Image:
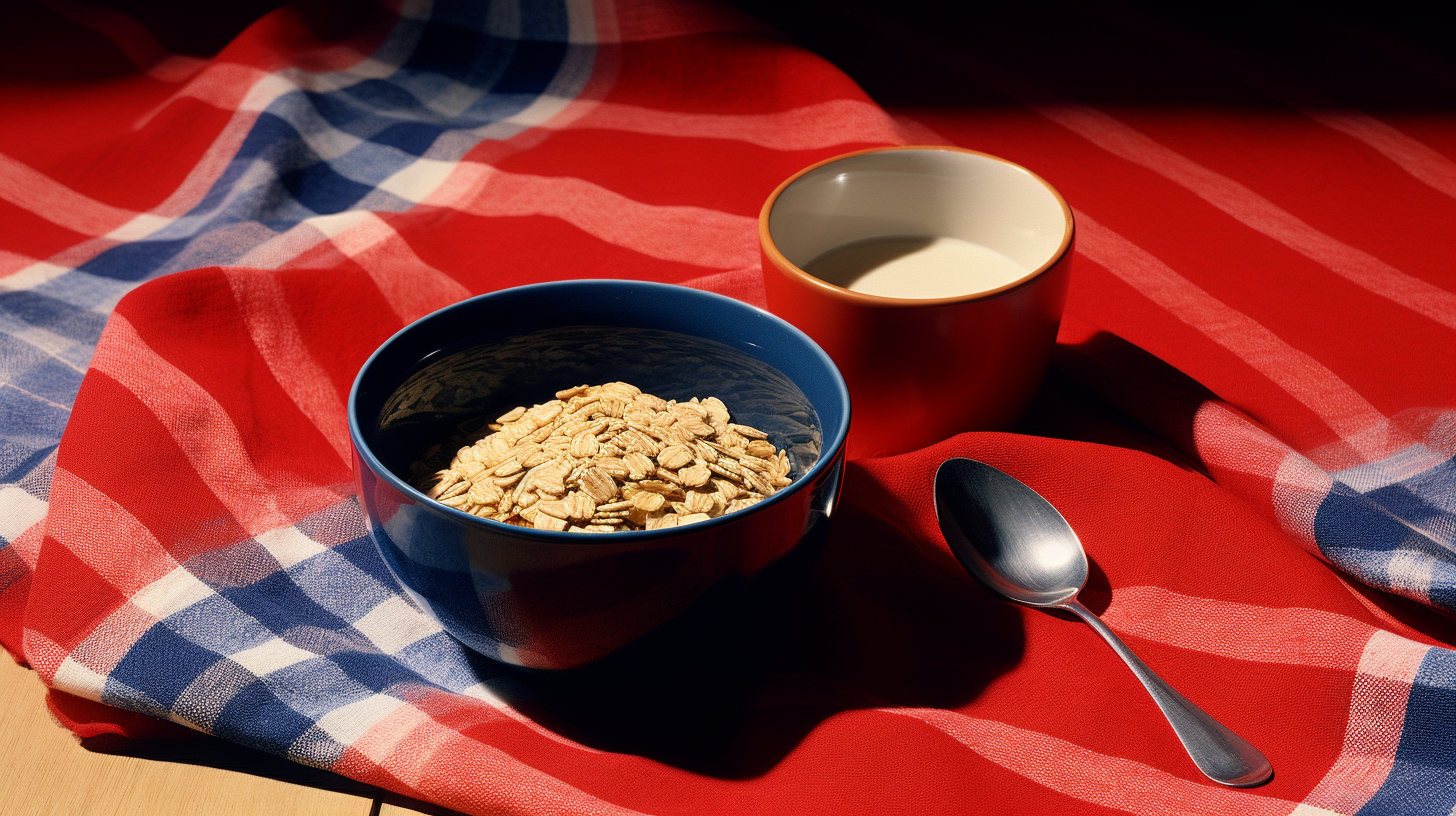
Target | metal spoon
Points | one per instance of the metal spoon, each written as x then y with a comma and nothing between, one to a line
1019,546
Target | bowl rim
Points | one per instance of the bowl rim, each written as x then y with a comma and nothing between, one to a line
831,452
791,271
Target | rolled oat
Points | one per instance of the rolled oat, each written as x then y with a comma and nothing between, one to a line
609,457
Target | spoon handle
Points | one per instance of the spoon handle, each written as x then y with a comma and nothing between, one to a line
1219,753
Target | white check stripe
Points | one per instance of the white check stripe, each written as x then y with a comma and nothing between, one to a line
412,745
289,545
138,228
204,432
270,656
1405,464
279,340
581,26
822,124
1372,734
416,180
395,624
75,678
348,723
43,654
148,560
1089,776
32,190
18,511
412,287
1291,636
1300,487
15,268
171,593
110,642
1411,573
685,234
1410,155
1300,375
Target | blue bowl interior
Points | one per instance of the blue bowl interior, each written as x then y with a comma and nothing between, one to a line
440,379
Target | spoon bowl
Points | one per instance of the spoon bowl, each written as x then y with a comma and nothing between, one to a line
1017,544
1007,535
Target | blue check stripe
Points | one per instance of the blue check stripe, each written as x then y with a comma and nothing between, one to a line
1423,780
436,87
310,612
1392,524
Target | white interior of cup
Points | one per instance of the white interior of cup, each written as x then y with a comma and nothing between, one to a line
919,192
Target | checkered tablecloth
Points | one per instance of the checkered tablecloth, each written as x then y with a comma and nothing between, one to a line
206,226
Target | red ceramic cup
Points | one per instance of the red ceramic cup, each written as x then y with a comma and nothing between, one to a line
938,280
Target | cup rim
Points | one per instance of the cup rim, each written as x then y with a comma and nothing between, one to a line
788,268
832,451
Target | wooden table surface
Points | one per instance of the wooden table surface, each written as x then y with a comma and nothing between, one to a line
44,770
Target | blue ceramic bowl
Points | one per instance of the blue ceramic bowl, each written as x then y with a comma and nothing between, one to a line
558,600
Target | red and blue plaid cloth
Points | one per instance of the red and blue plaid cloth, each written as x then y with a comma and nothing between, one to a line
1250,419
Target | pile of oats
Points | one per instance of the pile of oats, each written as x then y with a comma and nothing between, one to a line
608,457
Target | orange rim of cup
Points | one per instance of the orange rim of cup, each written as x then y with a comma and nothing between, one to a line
770,248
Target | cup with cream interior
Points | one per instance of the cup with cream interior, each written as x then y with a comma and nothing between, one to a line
934,277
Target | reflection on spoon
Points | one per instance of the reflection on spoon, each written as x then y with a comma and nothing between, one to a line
1019,546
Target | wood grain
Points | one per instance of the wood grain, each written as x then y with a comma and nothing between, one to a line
44,770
